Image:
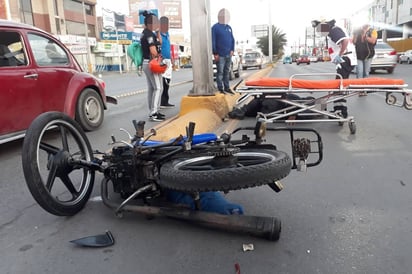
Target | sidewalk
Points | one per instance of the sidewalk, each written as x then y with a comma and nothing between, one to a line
207,112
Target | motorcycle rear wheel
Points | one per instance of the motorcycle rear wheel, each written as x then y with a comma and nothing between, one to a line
250,168
51,142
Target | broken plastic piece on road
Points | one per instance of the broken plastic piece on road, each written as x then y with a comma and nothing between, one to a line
102,240
248,247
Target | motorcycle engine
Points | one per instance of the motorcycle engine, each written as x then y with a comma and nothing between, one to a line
128,171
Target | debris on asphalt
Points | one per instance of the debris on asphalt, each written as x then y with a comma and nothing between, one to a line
237,268
248,247
101,240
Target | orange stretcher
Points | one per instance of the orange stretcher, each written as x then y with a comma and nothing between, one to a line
332,91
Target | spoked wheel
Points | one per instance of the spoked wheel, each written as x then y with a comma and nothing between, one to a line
52,143
246,168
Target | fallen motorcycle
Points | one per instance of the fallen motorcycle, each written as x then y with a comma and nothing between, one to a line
59,167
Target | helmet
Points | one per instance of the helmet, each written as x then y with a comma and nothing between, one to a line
157,66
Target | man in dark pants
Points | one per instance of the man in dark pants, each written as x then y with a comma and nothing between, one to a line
150,47
167,75
342,53
223,46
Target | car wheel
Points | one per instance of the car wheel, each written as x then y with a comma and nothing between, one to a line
237,73
89,110
409,61
390,70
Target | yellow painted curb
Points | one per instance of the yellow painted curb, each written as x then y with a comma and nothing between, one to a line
207,112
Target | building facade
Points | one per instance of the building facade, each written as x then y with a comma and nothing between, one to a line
392,18
73,22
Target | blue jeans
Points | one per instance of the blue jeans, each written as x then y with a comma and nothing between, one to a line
363,68
223,68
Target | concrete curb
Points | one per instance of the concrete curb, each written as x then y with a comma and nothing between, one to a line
207,112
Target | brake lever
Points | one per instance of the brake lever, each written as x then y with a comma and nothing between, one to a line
190,130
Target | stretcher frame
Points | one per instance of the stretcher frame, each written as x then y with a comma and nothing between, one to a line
331,92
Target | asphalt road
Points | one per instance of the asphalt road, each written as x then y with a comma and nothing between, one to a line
350,214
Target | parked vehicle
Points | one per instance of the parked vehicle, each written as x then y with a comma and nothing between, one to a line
234,68
252,59
406,57
385,58
313,59
287,60
303,59
39,74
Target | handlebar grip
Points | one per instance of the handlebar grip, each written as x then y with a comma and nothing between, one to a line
139,127
190,131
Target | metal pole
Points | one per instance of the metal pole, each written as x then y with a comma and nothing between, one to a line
118,52
270,33
306,37
86,30
8,14
314,42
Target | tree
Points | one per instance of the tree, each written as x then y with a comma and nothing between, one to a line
278,42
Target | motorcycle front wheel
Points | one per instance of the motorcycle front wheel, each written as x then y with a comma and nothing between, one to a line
51,145
246,168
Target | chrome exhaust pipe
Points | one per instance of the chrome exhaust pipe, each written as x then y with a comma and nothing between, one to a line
263,227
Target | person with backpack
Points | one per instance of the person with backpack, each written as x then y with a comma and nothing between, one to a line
364,40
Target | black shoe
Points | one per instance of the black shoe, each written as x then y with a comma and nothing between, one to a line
156,118
167,106
160,114
228,90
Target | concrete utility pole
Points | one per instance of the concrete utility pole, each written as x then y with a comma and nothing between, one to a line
270,38
201,41
86,30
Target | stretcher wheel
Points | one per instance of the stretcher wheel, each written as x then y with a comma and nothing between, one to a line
390,99
352,127
408,107
407,102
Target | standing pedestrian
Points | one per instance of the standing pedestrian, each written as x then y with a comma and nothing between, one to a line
223,46
364,40
151,50
342,53
167,59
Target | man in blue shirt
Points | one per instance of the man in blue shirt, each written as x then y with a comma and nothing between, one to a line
167,75
223,46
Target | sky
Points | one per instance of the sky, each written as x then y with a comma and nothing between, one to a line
291,16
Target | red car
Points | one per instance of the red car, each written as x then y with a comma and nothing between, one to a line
303,59
39,74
